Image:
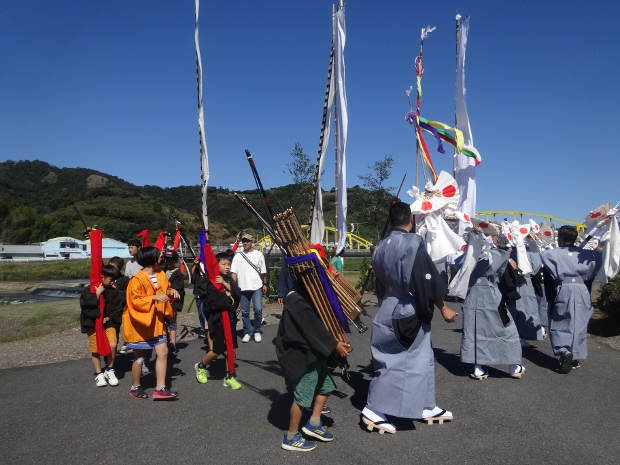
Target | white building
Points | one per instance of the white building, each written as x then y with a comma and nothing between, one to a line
70,248
21,252
64,247
111,248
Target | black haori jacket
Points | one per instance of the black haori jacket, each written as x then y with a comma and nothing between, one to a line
89,306
302,338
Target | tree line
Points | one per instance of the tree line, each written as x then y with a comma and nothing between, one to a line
38,201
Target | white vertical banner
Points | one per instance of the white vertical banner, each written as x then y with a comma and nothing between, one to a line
317,230
465,166
342,122
204,158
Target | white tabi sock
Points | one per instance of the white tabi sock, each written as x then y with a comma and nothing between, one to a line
515,368
428,412
478,371
372,416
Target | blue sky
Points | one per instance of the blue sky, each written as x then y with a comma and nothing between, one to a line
110,85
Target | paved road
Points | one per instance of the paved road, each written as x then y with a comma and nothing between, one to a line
55,414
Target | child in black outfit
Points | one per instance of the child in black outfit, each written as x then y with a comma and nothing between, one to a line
217,303
113,313
302,347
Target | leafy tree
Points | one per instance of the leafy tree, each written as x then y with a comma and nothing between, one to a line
609,299
376,197
302,172
24,225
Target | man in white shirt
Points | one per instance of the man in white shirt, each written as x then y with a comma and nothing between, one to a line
249,270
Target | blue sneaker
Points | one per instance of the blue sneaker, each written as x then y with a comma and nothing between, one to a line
318,432
298,443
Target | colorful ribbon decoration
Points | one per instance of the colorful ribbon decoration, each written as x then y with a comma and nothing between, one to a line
439,130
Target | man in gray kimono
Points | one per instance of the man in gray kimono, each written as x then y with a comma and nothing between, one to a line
524,311
568,275
404,369
490,336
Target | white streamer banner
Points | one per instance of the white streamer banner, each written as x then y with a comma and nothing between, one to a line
465,166
204,158
342,124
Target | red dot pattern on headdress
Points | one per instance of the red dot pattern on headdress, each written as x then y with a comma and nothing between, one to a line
523,230
426,206
595,214
449,191
483,224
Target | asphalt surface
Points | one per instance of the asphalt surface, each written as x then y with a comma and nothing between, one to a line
55,414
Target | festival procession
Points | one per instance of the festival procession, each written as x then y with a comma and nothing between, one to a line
517,282
509,286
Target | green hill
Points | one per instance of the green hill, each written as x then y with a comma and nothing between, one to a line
37,202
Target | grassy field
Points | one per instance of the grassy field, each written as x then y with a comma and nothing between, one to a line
40,271
28,320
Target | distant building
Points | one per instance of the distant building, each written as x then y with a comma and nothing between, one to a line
64,247
21,252
71,248
111,248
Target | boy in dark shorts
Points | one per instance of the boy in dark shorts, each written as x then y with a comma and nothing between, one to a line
302,347
113,311
219,303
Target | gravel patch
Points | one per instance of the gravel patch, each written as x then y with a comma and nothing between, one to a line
73,345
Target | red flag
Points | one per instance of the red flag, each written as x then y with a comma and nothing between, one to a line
177,238
96,267
144,234
161,240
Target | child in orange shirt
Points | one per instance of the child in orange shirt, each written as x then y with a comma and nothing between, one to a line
148,303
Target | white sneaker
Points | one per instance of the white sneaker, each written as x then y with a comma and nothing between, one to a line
100,380
246,338
111,377
257,337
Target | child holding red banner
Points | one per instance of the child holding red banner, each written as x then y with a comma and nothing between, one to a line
90,312
222,297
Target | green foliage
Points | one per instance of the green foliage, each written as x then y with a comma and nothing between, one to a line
40,318
608,301
37,203
302,172
375,198
364,274
274,276
39,271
